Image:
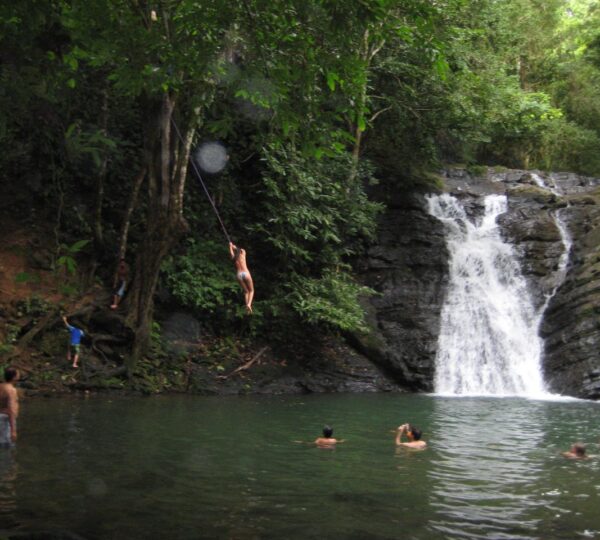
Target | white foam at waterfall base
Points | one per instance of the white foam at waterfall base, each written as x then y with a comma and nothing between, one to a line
488,343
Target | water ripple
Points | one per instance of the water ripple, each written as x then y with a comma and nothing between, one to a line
487,460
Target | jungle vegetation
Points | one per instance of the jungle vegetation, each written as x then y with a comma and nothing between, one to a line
319,105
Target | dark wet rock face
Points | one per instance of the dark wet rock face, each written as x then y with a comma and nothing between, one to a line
408,269
530,226
571,325
337,368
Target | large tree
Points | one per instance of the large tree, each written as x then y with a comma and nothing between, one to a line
164,57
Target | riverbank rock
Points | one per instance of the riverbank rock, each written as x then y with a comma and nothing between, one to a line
334,367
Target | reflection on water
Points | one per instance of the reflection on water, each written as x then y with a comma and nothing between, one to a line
498,469
486,464
190,468
8,495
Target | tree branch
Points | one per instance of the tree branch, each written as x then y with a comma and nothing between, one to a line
244,366
372,119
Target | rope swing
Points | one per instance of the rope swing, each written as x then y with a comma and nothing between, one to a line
202,183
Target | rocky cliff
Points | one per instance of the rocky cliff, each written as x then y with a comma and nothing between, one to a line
571,324
409,270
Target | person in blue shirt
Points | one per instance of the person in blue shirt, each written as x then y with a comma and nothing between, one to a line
74,342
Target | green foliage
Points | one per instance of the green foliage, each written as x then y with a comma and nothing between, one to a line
477,170
313,214
67,289
26,277
313,218
156,337
329,301
316,101
11,331
566,146
33,306
202,277
80,144
66,260
53,344
515,71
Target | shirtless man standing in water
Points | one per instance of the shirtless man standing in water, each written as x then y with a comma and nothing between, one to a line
243,274
9,407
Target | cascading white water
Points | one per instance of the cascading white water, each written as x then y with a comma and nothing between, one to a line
488,343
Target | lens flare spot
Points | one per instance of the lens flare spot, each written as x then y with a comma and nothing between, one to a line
211,157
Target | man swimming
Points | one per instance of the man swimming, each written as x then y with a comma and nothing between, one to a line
243,274
9,407
414,437
577,451
327,439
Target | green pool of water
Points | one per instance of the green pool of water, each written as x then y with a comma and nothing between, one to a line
198,467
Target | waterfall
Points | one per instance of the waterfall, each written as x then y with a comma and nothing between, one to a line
488,342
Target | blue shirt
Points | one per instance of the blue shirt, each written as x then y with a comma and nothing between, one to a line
76,334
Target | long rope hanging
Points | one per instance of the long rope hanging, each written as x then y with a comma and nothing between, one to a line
202,182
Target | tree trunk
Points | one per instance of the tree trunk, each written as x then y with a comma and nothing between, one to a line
158,240
98,231
165,224
369,48
129,211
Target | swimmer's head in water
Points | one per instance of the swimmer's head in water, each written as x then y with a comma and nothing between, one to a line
327,432
578,449
415,432
11,374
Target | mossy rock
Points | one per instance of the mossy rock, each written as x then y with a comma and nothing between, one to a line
477,170
592,239
584,200
533,192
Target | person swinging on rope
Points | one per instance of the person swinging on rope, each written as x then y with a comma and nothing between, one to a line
243,274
